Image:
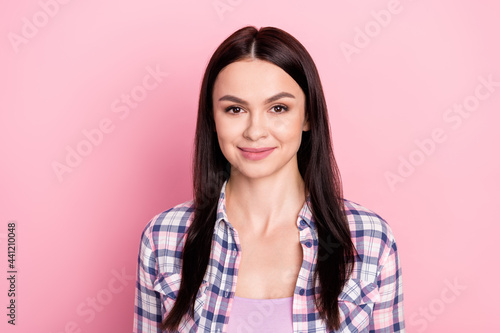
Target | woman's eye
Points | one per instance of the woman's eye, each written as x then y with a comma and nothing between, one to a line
280,108
235,109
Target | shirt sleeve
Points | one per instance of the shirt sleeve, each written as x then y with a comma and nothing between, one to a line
147,314
388,313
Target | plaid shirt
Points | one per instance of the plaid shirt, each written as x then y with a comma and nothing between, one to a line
371,301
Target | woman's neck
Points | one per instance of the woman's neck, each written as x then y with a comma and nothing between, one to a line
264,204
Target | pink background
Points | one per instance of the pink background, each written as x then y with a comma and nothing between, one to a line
67,74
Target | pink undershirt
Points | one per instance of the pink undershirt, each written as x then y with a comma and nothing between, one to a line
261,315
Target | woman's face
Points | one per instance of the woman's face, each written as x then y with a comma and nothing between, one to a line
258,105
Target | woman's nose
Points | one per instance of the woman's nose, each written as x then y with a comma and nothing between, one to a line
257,126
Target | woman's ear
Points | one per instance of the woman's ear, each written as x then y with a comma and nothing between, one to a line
306,127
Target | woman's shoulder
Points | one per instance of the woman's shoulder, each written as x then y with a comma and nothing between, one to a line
167,229
364,222
373,238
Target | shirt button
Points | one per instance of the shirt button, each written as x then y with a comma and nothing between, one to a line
302,223
308,244
301,292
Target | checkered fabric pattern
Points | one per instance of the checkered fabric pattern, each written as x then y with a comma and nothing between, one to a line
371,301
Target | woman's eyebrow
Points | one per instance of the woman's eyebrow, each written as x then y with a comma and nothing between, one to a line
271,99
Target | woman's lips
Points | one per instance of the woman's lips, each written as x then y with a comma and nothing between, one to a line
255,154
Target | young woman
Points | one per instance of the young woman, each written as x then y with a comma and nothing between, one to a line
268,243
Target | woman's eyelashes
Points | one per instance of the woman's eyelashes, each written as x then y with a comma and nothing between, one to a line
282,108
279,108
236,109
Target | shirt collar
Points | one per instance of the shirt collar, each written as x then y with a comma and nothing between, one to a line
305,213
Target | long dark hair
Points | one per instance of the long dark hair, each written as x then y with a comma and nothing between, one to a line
316,165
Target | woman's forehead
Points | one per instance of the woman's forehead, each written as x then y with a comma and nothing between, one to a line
254,78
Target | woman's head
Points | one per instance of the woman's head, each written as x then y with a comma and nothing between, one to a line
258,106
274,52
281,59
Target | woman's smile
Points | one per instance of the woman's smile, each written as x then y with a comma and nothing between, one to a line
256,154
